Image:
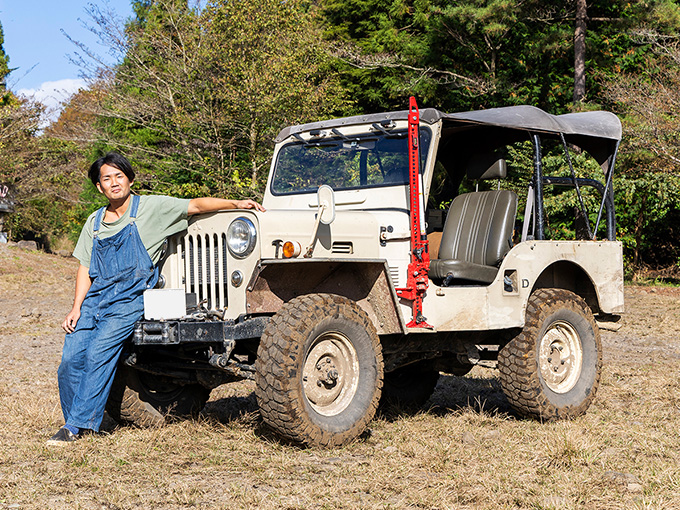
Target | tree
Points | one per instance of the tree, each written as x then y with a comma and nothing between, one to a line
200,94
4,64
42,170
580,50
648,102
474,54
270,71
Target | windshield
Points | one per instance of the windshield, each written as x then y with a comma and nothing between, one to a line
360,161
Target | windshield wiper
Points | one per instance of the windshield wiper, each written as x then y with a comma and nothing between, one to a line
388,133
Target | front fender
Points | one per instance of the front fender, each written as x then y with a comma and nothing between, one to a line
366,282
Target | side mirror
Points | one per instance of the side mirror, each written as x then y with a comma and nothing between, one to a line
326,199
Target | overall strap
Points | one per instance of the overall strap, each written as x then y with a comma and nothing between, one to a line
134,207
98,220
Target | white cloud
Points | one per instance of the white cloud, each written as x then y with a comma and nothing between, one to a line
53,94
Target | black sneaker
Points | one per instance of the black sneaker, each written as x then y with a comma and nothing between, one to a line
62,437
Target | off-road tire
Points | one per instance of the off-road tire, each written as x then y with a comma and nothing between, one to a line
551,370
319,371
408,388
147,401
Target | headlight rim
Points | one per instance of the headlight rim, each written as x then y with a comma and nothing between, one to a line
252,238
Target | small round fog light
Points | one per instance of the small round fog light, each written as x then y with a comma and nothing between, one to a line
236,278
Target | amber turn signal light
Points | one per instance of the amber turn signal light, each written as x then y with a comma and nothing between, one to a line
291,249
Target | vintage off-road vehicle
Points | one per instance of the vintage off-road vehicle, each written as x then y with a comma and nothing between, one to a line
355,283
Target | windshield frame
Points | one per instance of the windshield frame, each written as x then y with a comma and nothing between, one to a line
359,138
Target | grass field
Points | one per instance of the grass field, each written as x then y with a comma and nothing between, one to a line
465,451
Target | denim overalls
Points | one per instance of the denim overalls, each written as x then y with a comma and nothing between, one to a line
121,270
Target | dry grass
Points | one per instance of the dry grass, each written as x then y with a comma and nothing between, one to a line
466,452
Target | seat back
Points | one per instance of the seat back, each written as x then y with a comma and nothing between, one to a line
479,227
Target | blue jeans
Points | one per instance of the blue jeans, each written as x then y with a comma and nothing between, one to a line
88,366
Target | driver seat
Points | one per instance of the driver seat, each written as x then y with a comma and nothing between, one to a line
477,232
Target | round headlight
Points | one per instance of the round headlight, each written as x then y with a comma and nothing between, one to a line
241,237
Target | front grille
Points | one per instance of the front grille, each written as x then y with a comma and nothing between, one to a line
205,268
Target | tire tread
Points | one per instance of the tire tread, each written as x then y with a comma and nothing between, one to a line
519,374
278,393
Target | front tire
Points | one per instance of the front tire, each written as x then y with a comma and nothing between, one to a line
319,371
146,400
551,370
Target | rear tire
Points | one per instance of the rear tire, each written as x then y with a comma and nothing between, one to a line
147,400
319,371
551,370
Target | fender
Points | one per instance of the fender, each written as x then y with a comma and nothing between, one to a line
367,282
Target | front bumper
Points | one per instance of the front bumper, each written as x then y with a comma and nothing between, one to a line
175,332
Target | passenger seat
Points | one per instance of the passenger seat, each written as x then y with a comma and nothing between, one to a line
477,232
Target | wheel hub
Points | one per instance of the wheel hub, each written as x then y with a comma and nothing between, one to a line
330,375
561,357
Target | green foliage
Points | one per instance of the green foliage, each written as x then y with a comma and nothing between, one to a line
45,174
647,209
201,95
480,53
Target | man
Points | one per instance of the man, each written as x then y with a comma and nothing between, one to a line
118,249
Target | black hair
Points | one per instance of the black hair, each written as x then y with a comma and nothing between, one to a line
112,159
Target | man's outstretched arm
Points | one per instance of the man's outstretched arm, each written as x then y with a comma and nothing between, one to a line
209,204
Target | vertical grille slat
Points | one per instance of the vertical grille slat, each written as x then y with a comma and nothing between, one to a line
202,266
224,266
211,275
205,269
219,271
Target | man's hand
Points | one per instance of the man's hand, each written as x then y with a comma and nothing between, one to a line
83,283
248,204
69,324
210,204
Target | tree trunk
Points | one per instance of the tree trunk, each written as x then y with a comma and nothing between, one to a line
253,151
580,51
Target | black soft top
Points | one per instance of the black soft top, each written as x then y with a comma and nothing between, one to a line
598,132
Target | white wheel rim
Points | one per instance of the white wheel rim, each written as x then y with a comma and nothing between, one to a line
330,376
561,357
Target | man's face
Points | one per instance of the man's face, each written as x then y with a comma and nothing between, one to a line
113,183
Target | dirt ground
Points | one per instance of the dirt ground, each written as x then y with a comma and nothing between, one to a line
466,451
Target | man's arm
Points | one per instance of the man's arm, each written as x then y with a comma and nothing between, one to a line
83,284
209,204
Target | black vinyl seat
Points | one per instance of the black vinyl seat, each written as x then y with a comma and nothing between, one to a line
477,234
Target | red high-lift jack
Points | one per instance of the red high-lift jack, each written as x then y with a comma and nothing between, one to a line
417,280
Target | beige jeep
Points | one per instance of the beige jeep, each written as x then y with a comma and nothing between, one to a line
357,284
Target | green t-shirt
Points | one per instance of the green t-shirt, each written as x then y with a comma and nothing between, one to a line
157,218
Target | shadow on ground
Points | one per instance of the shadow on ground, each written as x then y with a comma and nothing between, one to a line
232,408
452,394
476,394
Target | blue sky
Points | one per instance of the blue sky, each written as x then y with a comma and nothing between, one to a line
39,50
